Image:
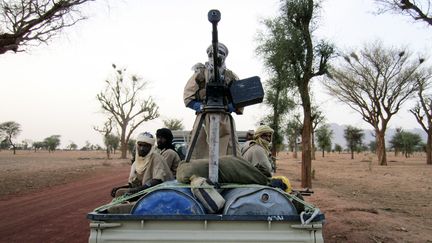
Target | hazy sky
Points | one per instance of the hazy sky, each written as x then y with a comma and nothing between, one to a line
52,88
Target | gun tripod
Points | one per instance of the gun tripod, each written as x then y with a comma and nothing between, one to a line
213,130
213,139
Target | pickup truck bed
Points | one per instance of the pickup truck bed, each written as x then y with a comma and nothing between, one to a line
202,228
106,227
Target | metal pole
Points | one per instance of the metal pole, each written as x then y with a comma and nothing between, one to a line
214,104
214,147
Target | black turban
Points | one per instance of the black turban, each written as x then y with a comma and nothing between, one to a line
167,134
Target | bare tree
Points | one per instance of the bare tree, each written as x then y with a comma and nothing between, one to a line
9,130
121,100
417,9
423,114
173,124
375,84
106,131
32,22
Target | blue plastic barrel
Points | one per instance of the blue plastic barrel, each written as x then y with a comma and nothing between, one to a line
168,201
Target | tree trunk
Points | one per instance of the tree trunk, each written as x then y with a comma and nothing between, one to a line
306,179
108,153
380,141
123,143
313,145
429,149
295,151
323,153
352,152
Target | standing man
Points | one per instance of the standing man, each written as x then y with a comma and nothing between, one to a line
164,138
258,151
194,97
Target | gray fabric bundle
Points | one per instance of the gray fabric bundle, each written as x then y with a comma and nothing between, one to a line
231,170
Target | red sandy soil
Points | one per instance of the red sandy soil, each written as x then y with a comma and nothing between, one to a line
44,197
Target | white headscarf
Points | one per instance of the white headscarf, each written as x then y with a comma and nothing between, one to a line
257,136
222,53
141,163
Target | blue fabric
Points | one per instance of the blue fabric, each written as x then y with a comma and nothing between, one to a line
195,105
231,108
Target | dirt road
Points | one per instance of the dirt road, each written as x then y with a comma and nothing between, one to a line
362,202
57,214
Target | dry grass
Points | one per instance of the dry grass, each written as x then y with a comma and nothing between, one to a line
29,170
365,202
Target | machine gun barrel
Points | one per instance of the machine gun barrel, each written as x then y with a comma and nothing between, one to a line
214,17
214,100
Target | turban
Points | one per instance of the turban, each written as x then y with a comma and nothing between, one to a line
142,163
165,133
222,50
146,137
262,129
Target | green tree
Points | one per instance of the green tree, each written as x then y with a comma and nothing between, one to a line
372,146
87,146
376,83
293,132
106,133
317,118
52,142
338,148
277,95
26,144
10,130
324,135
396,147
354,137
26,23
173,124
131,145
122,99
4,144
406,142
305,57
38,145
112,142
72,146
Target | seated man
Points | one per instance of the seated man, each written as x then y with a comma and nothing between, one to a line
258,151
164,140
148,169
